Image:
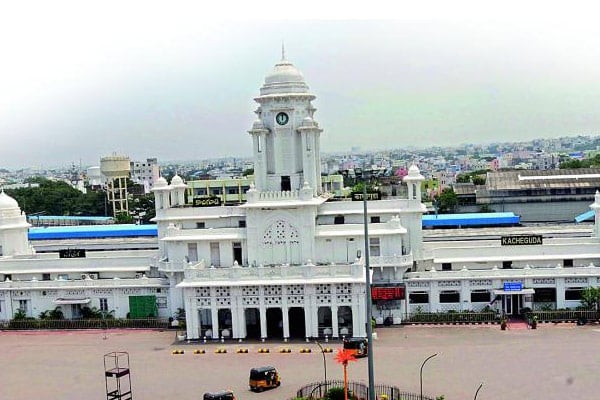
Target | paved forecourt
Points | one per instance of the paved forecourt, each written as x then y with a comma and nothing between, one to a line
551,362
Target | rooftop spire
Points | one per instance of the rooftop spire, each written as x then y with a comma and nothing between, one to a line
282,51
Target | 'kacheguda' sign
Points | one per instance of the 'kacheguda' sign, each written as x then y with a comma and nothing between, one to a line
519,240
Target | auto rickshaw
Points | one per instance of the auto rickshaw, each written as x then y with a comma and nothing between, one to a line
220,395
262,378
358,345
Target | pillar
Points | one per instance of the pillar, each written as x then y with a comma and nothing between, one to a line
286,321
214,311
263,319
434,297
334,320
560,293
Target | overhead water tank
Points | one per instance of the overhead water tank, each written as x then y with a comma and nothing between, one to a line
115,166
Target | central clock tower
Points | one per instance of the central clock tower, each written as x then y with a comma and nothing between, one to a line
285,137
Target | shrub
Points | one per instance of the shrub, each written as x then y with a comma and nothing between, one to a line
336,393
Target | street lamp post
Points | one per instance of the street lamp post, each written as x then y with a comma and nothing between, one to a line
421,373
324,362
475,398
368,292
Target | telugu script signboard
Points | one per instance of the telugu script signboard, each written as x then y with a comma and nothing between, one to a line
71,253
519,240
207,201
358,196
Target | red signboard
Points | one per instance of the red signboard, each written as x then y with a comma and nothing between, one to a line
387,293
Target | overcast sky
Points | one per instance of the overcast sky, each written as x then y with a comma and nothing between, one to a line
177,82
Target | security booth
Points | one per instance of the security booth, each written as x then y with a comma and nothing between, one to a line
513,298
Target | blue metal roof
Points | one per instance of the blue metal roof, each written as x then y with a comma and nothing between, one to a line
68,218
92,231
132,230
585,216
471,219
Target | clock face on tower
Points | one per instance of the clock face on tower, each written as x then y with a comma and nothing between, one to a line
282,118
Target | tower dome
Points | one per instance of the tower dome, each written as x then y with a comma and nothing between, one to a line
284,72
7,202
285,78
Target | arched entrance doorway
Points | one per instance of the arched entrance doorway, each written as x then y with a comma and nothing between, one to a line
345,321
325,325
274,323
297,323
225,323
252,318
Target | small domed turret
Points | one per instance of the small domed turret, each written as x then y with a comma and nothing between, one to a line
161,183
177,181
7,202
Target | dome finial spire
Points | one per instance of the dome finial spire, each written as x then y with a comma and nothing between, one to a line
282,51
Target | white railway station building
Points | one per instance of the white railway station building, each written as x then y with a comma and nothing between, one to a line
290,261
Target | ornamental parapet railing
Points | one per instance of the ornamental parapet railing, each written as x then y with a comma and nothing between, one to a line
358,391
110,323
140,281
451,317
590,271
275,272
391,261
171,266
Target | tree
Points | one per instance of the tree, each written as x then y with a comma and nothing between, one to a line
123,217
446,201
19,315
57,313
463,178
57,198
344,356
590,296
478,180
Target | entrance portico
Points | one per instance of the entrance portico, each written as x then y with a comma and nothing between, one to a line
513,301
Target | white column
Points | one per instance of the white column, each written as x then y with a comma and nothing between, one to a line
560,293
434,297
334,320
465,296
286,322
238,320
359,311
263,320
214,311
285,311
311,317
192,322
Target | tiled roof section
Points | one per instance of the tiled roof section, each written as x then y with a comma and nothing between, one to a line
544,179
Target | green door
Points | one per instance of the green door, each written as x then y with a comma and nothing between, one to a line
142,307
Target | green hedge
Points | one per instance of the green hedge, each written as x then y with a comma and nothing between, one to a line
452,316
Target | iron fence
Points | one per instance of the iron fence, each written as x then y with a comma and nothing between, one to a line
114,323
356,391
564,315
